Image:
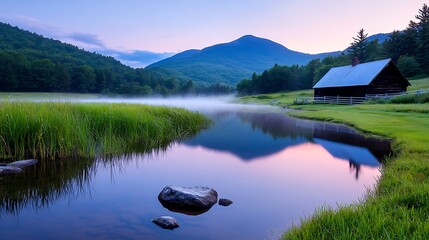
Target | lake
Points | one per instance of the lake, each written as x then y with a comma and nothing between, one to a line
276,169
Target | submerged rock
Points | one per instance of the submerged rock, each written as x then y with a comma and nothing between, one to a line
23,163
225,202
9,170
16,167
166,222
188,200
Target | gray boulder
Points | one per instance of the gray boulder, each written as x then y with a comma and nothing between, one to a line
166,222
225,202
23,163
9,170
188,200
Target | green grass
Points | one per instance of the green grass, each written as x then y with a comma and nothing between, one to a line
50,130
411,98
45,96
399,206
419,84
282,99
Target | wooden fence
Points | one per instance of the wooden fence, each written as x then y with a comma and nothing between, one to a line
354,100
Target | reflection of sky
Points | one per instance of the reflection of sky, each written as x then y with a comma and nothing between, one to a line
254,137
281,187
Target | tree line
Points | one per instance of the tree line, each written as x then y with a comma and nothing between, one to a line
32,63
409,49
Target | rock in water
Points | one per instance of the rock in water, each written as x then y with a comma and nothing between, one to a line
9,170
225,202
188,200
166,222
23,163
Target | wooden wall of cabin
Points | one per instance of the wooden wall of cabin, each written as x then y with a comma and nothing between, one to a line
389,80
356,91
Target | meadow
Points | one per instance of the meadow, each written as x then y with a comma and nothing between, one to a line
52,130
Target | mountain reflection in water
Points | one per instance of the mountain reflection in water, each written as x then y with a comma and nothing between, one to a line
268,133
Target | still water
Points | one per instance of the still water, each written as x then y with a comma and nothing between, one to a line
275,168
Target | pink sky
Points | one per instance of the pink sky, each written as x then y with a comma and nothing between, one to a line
174,26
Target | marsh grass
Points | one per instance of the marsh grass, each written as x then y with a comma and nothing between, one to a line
399,206
49,130
411,98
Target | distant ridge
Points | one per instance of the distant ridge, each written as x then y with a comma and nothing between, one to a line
231,62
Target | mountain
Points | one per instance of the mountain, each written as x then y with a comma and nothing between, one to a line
231,62
380,37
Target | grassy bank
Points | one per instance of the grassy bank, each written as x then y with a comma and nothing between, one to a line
51,130
399,206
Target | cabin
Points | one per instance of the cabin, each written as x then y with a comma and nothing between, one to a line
360,80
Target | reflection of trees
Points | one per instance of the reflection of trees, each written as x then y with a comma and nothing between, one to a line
44,183
356,168
276,124
279,125
41,185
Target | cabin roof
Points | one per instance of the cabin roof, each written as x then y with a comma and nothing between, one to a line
346,76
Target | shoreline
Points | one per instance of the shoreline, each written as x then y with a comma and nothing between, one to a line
404,170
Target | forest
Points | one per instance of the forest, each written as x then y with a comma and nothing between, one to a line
32,63
409,49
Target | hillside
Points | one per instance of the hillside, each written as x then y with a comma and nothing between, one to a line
233,61
32,63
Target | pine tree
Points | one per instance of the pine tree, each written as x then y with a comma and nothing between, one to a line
421,30
358,48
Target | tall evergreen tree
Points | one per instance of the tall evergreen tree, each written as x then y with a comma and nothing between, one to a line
421,29
358,48
394,47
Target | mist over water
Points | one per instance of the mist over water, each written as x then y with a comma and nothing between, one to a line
193,103
202,103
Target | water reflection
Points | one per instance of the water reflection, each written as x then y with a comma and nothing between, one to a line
268,133
41,185
272,167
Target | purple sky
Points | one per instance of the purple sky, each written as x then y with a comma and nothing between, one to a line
177,25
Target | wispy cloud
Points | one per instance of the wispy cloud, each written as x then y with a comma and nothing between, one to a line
83,40
33,25
137,58
86,41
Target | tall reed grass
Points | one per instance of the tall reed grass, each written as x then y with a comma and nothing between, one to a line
49,130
